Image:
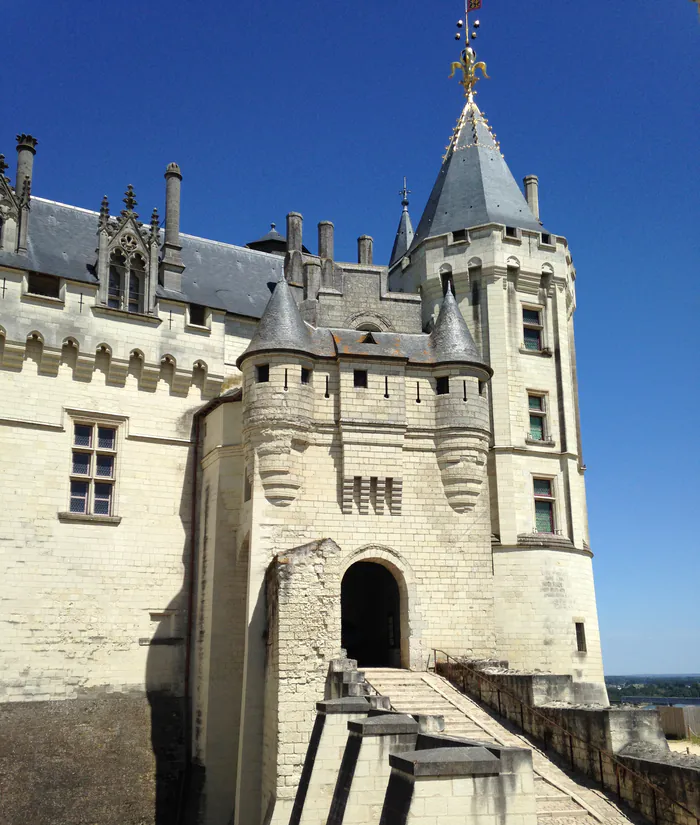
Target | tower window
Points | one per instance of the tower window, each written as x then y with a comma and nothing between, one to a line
447,282
546,238
198,315
262,373
532,329
538,414
581,637
511,232
45,285
360,379
442,385
544,505
305,375
460,235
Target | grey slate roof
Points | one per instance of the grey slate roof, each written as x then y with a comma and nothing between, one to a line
282,329
475,185
451,339
404,236
63,242
281,326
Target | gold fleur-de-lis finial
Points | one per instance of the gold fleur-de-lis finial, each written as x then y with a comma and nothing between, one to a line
468,63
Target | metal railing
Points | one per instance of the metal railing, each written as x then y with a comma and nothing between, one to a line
601,755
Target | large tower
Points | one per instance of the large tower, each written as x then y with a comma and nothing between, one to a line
514,281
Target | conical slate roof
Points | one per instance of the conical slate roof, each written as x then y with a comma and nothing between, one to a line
281,326
451,340
404,236
475,185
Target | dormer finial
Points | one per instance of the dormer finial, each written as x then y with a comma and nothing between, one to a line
130,200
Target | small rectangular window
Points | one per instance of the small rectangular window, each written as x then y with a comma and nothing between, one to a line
442,385
581,637
78,496
93,469
262,373
536,407
546,238
511,232
544,505
46,285
460,235
532,329
360,379
305,375
198,315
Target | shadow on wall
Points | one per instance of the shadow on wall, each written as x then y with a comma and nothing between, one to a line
178,784
106,757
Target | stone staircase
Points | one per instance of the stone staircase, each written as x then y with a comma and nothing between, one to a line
561,798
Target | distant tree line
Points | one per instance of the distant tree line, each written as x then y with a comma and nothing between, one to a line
649,686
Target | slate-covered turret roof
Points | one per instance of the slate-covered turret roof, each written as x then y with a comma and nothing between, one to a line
404,234
475,185
281,326
451,340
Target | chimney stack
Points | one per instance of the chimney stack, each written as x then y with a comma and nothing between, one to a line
532,194
26,149
325,239
171,265
365,246
294,231
294,259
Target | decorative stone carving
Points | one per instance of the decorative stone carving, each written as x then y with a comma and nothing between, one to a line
461,458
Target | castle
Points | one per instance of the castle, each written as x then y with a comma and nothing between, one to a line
225,467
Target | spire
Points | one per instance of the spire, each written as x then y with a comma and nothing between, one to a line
475,185
404,234
281,326
451,339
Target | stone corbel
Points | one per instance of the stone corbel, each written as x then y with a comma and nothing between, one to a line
13,355
118,370
150,373
462,461
84,366
529,282
50,361
181,381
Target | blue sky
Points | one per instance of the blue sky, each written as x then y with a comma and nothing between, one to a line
322,108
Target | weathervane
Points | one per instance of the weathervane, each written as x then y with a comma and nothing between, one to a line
467,62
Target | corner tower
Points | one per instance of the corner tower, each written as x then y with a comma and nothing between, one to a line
514,280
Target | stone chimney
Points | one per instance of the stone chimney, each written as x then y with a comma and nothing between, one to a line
26,149
365,253
325,240
532,194
171,265
294,259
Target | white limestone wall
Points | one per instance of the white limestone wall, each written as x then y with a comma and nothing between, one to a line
540,595
538,591
441,558
82,599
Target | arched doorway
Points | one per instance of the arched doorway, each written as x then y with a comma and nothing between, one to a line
371,618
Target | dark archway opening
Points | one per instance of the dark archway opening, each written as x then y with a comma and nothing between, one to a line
371,620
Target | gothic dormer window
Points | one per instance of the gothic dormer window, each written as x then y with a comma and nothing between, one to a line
128,258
